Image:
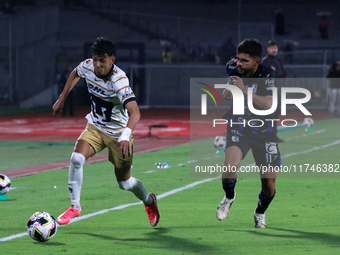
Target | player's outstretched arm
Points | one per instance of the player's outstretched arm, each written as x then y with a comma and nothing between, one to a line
70,83
134,116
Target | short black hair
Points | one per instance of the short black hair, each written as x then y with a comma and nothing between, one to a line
272,43
102,46
250,46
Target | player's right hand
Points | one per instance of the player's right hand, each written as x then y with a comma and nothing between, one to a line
125,147
226,94
58,107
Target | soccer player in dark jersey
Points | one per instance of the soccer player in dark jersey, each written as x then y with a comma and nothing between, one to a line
252,131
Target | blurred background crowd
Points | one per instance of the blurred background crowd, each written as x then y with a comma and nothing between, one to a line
162,44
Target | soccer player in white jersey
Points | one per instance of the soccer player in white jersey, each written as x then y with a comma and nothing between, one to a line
114,115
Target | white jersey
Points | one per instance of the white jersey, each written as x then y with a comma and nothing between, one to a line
108,98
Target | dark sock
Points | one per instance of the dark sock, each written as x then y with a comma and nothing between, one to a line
229,189
263,203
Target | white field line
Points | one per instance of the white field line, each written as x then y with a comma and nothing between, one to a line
150,172
305,135
171,192
312,149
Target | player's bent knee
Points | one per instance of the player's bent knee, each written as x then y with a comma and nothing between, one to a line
128,184
77,159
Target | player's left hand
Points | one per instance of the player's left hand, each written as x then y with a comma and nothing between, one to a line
238,82
125,147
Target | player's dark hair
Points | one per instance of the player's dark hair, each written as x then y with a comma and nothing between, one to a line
250,46
272,43
103,45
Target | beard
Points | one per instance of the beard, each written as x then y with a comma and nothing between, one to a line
244,71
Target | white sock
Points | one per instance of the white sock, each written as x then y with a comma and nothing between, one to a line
136,187
75,178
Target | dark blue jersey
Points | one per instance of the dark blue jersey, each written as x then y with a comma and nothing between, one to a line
256,126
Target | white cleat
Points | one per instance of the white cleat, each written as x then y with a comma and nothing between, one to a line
224,207
260,220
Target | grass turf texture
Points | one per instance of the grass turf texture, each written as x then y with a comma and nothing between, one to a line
302,218
21,154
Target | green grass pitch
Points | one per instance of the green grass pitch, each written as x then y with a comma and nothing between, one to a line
302,219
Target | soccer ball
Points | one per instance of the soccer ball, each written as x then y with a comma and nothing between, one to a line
42,226
5,184
308,122
219,142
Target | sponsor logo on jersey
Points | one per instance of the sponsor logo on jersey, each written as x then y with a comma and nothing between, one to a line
269,84
127,92
96,89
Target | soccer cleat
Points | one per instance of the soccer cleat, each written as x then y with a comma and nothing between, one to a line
260,220
224,207
65,218
152,211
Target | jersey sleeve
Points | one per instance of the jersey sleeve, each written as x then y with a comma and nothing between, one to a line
80,69
124,91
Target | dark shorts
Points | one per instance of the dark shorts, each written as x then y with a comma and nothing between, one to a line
264,153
